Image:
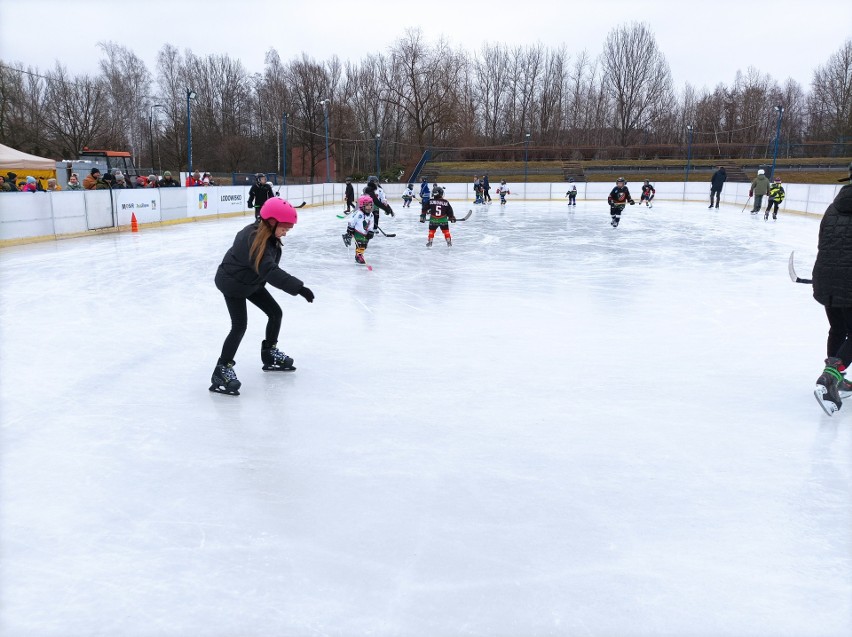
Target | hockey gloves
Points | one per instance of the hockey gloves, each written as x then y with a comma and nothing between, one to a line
422,218
452,219
631,202
307,294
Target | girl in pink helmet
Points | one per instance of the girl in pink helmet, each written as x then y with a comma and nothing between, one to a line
249,264
360,226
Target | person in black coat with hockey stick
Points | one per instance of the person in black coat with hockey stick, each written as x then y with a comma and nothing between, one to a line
251,263
259,194
832,281
349,196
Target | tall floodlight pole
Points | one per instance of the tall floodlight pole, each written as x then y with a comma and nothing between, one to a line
284,149
688,149
325,103
378,164
526,155
190,95
780,110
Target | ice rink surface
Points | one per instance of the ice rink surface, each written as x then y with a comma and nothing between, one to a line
552,428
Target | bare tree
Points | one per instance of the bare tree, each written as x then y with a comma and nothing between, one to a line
831,99
637,76
76,112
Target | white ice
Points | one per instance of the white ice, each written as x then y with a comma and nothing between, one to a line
552,428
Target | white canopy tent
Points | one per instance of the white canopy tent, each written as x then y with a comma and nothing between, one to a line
17,161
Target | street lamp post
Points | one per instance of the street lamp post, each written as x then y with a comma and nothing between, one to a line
151,131
325,103
284,149
378,165
688,149
526,154
780,110
190,95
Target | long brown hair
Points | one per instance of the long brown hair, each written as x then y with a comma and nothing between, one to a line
264,233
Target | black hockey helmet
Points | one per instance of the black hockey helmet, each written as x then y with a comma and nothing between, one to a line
258,177
411,185
621,180
372,179
647,182
570,180
439,192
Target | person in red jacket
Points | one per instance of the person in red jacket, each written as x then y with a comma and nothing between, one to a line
251,263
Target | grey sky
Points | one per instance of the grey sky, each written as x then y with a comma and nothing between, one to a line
705,43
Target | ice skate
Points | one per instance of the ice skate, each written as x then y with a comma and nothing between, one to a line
449,242
774,216
429,243
224,380
274,360
359,258
766,216
710,206
827,390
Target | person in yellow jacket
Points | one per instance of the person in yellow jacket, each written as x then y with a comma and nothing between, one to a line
776,196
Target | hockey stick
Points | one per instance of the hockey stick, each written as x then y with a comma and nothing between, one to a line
301,205
792,270
746,204
392,234
466,217
344,215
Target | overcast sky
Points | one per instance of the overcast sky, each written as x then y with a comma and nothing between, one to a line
704,42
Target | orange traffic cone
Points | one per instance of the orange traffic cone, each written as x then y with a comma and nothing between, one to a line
134,225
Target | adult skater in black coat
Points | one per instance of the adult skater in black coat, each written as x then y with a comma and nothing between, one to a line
832,281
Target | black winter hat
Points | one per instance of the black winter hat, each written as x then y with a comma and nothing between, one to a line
94,170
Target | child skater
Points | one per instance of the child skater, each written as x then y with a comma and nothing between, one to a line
776,196
572,192
407,196
440,212
648,192
503,190
361,226
618,196
249,264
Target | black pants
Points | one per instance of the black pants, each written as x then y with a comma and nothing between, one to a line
350,203
487,196
717,193
840,333
770,204
239,320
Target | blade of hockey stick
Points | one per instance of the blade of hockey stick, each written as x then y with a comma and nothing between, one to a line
792,271
392,234
466,217
301,205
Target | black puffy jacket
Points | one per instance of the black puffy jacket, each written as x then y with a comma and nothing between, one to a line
236,275
833,268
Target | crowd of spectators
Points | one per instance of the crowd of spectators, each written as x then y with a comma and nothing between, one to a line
96,180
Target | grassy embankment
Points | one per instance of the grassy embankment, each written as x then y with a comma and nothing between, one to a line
791,171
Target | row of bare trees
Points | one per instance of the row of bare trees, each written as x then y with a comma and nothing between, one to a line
414,96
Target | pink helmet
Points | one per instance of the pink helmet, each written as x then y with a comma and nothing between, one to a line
279,210
363,200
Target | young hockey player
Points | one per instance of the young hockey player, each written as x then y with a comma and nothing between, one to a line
259,194
776,196
360,226
572,192
648,193
424,195
477,190
503,190
380,202
618,196
407,196
249,264
440,213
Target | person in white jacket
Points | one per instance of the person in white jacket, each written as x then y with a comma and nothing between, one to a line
360,227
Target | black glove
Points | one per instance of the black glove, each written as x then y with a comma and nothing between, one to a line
632,202
370,234
306,292
422,218
389,211
452,219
